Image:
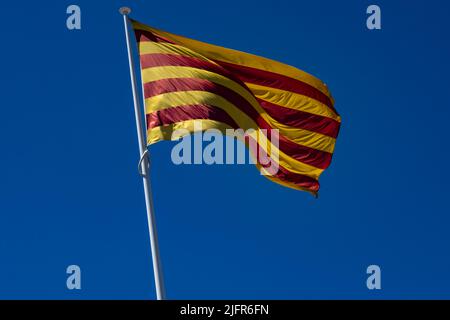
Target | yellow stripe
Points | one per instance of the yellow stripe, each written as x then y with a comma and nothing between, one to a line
289,184
150,47
293,101
173,99
300,136
238,57
166,132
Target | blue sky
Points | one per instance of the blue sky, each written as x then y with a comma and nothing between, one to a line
70,192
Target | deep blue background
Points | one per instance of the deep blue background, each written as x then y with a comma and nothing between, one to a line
70,192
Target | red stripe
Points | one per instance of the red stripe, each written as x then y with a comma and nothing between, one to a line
300,119
298,179
145,36
283,174
278,81
171,116
188,112
316,158
164,59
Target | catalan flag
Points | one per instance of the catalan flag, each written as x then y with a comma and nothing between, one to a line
185,80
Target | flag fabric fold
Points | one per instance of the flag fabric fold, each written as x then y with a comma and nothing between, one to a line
186,81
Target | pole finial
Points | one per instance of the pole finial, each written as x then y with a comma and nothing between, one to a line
125,11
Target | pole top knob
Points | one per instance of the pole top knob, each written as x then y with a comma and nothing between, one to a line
125,10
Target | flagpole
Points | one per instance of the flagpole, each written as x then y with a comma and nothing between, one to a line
145,167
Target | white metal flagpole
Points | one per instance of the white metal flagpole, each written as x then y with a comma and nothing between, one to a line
144,166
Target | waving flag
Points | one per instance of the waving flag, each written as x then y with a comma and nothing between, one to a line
186,80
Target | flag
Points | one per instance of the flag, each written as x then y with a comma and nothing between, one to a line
186,81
